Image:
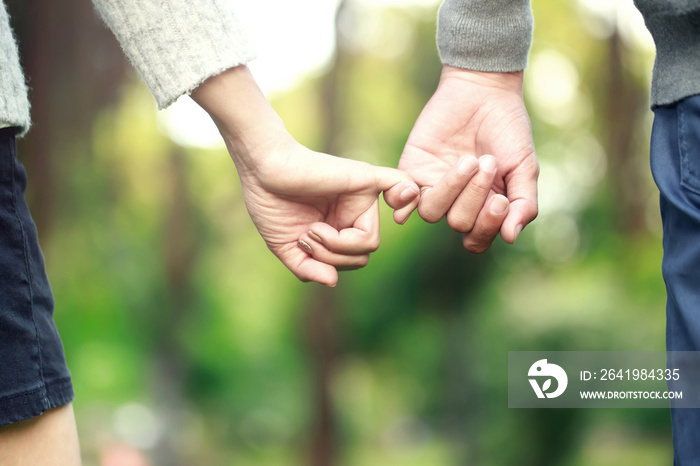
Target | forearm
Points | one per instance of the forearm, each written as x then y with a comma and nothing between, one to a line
243,115
491,35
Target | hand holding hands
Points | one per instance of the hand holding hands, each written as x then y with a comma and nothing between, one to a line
317,213
473,114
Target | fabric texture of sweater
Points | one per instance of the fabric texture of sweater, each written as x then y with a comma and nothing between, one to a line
14,103
675,27
485,35
174,45
495,35
177,44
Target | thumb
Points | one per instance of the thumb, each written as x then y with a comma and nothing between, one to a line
304,266
311,270
308,269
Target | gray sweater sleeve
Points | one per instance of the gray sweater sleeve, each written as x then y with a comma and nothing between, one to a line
14,104
176,44
485,35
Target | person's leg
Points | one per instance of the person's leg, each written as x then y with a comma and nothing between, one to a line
34,378
47,440
675,163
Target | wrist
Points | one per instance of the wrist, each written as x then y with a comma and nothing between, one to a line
511,81
246,121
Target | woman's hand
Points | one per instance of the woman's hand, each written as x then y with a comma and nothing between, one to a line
316,212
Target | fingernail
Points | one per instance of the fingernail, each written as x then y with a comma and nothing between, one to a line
467,165
314,237
499,205
305,246
518,229
410,192
488,163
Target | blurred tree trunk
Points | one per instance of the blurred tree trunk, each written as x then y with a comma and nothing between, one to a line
332,88
321,337
74,67
182,240
321,318
624,108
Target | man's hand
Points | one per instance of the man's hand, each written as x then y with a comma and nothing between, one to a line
317,213
474,114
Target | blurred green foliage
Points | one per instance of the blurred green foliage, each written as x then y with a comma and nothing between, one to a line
168,301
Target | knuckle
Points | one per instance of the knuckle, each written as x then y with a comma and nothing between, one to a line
481,184
529,212
430,214
355,263
363,261
477,245
453,184
460,222
373,244
392,198
476,248
431,218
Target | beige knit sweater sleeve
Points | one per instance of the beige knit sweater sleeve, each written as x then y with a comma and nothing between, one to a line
14,104
176,44
173,44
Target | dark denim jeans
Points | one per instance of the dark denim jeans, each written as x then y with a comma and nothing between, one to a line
675,164
33,372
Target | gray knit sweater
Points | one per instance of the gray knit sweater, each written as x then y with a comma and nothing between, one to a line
494,35
675,27
176,44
